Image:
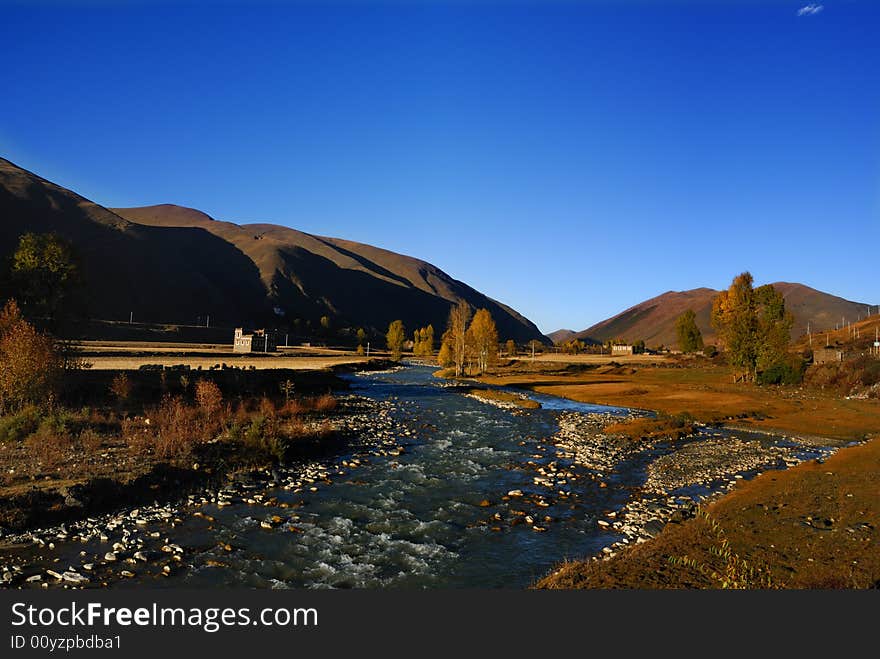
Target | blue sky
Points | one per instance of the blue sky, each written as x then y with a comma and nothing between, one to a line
568,158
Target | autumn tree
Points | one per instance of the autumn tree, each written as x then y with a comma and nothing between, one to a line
573,347
773,328
29,364
44,275
483,337
395,337
733,316
510,347
690,339
753,325
423,341
456,335
445,358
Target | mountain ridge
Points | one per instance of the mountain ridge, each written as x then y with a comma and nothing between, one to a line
653,320
170,263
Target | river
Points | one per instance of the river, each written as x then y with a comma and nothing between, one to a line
463,504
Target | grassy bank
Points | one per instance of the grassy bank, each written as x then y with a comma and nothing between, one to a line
704,391
812,526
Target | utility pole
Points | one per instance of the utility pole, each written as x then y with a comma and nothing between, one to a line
208,321
131,317
368,348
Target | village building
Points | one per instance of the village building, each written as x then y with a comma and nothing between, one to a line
260,341
827,355
621,350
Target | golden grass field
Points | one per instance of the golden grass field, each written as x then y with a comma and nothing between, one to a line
707,392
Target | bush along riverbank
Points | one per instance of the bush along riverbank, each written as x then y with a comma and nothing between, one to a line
112,439
134,541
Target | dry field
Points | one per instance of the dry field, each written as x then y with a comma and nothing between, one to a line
562,358
131,355
706,392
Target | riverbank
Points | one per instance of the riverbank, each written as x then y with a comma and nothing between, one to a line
813,525
123,438
135,541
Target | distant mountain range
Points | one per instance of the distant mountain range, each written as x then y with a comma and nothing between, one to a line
654,320
561,336
172,264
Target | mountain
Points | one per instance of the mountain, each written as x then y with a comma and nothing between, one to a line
654,320
561,335
173,264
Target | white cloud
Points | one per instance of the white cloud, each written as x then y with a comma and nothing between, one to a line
810,10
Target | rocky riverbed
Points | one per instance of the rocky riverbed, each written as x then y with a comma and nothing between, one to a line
686,473
136,542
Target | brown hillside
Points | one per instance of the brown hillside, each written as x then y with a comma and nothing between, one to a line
308,276
172,264
654,320
159,274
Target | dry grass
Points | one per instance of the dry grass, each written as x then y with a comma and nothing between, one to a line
664,427
708,394
562,358
814,526
324,403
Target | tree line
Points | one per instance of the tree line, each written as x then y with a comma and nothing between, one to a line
469,344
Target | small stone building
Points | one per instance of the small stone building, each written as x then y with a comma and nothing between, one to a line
621,350
260,341
827,355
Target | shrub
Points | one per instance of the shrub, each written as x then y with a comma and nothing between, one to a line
120,387
208,397
710,351
17,426
178,428
90,440
267,407
790,371
264,437
57,423
870,372
292,408
49,445
325,403
29,363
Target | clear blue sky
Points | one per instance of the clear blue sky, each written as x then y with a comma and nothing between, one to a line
568,158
